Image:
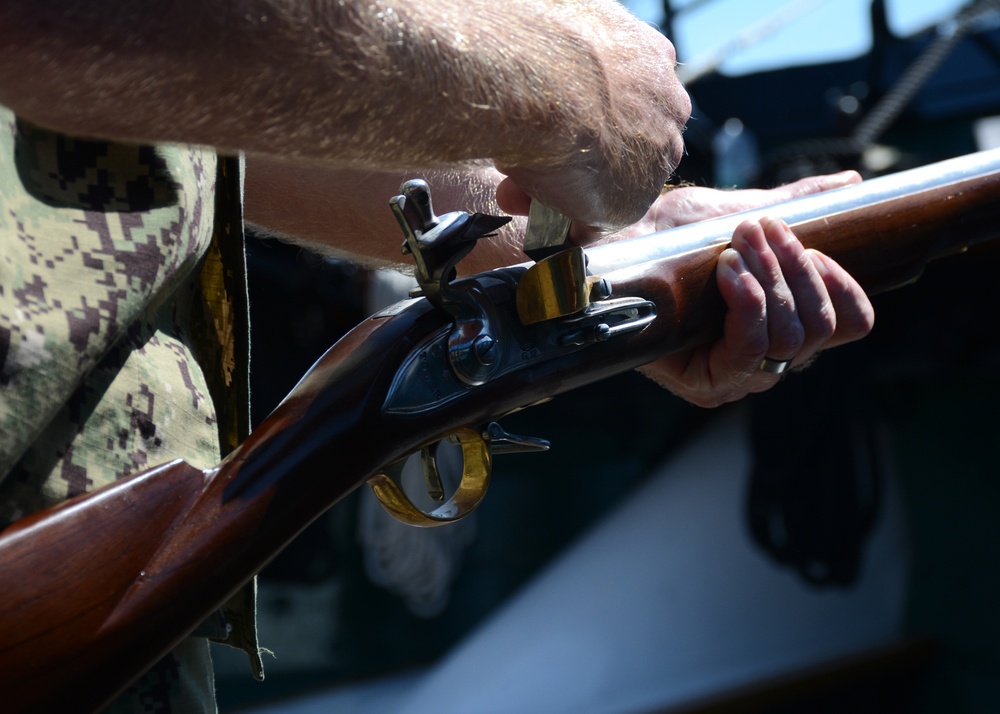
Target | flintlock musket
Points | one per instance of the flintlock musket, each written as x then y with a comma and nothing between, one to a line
95,590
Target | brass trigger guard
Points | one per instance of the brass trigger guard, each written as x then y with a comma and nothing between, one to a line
476,468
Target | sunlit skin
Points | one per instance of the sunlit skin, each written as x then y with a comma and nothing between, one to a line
335,101
784,302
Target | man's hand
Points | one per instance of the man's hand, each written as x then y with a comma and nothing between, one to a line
784,302
618,168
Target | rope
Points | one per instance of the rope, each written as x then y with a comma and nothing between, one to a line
888,109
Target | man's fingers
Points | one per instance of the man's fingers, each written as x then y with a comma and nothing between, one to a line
512,199
855,314
814,309
784,331
817,184
734,361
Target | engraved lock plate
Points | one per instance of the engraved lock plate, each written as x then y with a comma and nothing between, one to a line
425,380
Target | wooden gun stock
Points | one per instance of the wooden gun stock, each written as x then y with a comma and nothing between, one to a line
95,590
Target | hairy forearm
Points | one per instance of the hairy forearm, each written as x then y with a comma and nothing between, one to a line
337,81
576,100
346,211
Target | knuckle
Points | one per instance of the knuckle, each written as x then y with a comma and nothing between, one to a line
757,345
862,322
825,325
869,320
788,340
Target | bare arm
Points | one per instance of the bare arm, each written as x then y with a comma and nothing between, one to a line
346,211
577,98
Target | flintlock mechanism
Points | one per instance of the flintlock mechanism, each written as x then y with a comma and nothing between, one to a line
557,307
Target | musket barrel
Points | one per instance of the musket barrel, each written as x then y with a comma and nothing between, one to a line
849,200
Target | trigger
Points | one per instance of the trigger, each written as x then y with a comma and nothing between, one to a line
432,477
502,442
476,468
478,448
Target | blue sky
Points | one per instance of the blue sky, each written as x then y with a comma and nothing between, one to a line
826,29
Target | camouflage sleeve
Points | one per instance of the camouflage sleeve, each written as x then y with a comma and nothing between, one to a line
91,235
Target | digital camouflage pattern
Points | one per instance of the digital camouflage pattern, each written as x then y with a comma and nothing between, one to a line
98,376
98,380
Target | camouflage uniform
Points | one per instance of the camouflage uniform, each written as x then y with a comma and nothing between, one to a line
102,246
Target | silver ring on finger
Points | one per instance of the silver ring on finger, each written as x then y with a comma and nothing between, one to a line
775,366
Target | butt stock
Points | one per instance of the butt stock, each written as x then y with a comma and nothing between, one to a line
99,588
